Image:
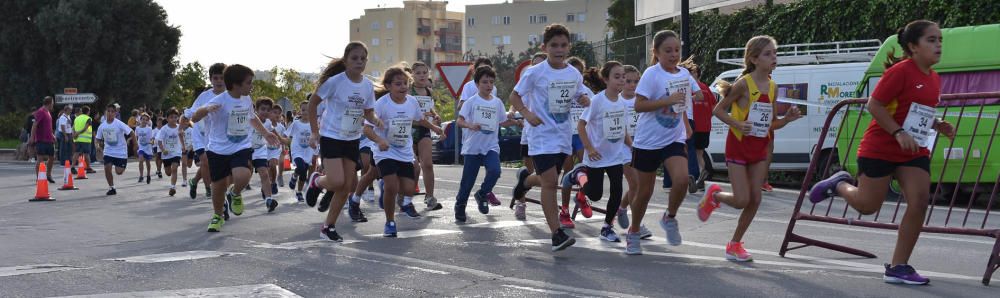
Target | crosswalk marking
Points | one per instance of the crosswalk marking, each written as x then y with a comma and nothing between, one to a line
175,256
300,244
419,233
39,268
261,290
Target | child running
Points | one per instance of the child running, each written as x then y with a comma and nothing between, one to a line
422,144
552,85
628,97
274,157
200,138
230,117
481,116
170,140
299,134
896,144
521,209
111,139
144,137
751,122
260,153
663,93
158,123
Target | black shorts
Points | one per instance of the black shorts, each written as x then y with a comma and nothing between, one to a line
259,163
191,155
169,161
699,140
401,169
45,149
649,161
221,166
117,162
199,152
524,151
878,168
544,162
82,147
333,148
419,133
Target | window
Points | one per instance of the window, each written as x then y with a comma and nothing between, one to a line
496,40
570,18
496,20
471,41
375,41
581,17
543,19
581,37
506,39
388,42
388,24
471,22
506,20
375,26
532,19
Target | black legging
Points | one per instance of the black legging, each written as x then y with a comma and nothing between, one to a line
595,188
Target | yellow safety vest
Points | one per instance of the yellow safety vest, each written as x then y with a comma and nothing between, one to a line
78,124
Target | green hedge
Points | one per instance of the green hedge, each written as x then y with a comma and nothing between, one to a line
10,125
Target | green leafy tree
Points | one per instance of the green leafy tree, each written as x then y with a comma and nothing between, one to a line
185,83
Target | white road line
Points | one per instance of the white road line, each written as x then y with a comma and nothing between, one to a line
261,290
489,275
299,244
32,269
421,269
419,233
176,256
542,291
502,224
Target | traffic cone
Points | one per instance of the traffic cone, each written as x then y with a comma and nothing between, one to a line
288,161
82,172
67,178
42,189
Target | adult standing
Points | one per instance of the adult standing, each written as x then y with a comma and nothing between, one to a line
42,136
83,136
64,134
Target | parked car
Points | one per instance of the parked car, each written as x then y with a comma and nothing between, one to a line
510,144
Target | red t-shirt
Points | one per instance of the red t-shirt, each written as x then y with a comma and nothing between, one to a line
703,110
43,130
901,85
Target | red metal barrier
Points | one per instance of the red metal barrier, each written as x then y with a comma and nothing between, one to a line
934,223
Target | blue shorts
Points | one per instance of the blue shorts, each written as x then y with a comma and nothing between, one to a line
117,162
45,149
145,155
577,143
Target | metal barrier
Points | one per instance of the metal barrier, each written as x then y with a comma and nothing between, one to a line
975,118
559,190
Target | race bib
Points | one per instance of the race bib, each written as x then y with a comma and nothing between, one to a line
258,141
486,117
238,126
633,120
574,114
614,125
426,105
560,94
143,138
172,144
187,139
919,124
760,118
303,139
684,87
399,132
350,123
111,136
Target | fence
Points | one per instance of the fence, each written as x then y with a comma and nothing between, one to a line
628,51
950,169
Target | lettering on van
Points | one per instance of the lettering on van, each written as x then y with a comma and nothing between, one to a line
837,90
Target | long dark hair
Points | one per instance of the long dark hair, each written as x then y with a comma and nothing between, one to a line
905,36
336,65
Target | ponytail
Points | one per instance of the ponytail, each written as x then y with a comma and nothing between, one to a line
337,65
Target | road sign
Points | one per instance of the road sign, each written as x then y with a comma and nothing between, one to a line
455,75
82,98
70,91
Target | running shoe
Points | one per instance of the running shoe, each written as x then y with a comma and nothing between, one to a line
827,187
271,204
492,198
298,196
140,179
390,229
670,226
90,171
432,203
584,205
708,203
481,203
216,224
111,192
608,234
565,221
172,191
903,274
767,187
312,190
520,211
645,233
460,214
324,203
519,188
291,182
330,233
736,253
159,175
354,210
274,188
147,179
561,241
237,204
410,211
633,244
623,219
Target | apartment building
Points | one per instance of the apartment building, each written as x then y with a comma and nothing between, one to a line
517,25
418,31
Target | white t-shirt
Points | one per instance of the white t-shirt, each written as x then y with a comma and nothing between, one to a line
259,143
607,123
470,89
199,140
229,126
488,114
550,93
156,144
144,135
366,142
188,142
397,120
114,135
657,129
576,110
274,152
170,136
299,132
63,125
633,117
526,129
345,102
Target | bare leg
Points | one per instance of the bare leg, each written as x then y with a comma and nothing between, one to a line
915,183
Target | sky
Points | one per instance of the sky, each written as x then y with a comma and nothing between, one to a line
298,34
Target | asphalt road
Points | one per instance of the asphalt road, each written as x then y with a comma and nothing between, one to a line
144,243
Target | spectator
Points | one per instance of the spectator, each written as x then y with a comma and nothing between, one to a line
43,137
64,134
83,136
26,135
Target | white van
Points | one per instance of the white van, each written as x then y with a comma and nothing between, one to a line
813,87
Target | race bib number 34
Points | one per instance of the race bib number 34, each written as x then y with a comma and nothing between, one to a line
760,117
919,124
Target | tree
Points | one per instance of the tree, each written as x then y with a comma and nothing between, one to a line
278,83
121,50
585,51
183,87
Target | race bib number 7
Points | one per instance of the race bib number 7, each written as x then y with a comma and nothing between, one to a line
350,123
919,124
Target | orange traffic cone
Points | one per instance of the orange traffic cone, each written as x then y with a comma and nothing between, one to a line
82,172
288,161
42,189
67,178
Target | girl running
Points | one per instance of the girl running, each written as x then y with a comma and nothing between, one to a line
299,136
895,145
421,90
751,122
144,136
663,93
628,97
